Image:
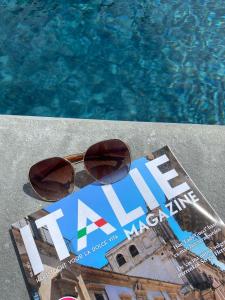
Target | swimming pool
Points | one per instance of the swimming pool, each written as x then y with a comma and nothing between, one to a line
139,60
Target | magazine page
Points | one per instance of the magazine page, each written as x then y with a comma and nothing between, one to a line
151,235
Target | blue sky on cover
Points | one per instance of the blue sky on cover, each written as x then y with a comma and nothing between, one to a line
130,197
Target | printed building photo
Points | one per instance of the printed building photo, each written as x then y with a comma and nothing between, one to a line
143,268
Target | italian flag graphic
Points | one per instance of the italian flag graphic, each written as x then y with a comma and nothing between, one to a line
85,213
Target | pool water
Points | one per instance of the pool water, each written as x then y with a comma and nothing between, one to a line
144,60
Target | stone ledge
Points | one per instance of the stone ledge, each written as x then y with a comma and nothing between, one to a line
25,140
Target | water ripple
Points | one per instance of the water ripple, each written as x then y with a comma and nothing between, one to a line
114,59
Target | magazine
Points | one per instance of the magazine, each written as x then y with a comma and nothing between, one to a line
152,235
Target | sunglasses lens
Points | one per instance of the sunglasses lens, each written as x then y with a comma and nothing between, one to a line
52,178
108,161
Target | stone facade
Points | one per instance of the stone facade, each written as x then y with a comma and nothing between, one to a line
88,283
152,258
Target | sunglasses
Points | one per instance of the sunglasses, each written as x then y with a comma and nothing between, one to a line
106,162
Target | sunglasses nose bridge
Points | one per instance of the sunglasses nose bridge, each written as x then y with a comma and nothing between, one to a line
75,158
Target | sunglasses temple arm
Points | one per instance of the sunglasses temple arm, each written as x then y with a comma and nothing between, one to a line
75,157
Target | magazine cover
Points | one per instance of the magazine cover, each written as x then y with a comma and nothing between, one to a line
150,236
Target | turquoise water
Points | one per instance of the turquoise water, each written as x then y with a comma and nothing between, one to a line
114,59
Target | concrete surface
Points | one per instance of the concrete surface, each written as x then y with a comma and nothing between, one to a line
25,140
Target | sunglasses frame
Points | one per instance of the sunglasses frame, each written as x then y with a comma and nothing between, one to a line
77,159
